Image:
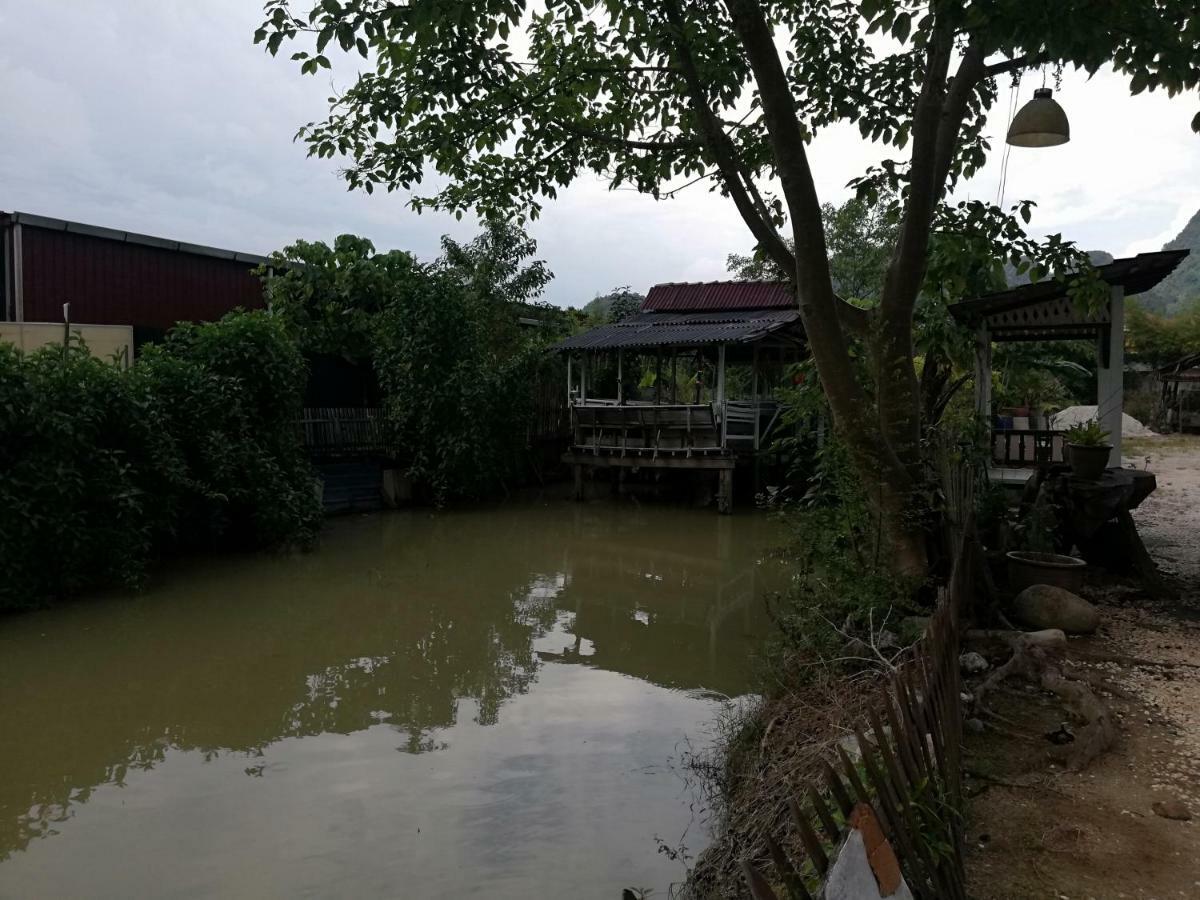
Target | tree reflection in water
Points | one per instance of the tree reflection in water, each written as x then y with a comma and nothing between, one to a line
406,619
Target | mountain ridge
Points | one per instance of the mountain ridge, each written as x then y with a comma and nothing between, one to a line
1180,289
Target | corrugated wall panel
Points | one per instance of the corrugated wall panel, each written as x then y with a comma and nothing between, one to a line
112,283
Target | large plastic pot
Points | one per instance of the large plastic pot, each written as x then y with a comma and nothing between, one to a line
1088,462
1026,568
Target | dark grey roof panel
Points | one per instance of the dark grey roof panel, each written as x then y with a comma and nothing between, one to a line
1134,273
130,237
684,329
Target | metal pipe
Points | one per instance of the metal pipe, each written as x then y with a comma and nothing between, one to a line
18,275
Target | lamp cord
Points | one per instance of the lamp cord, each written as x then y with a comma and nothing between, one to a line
1012,111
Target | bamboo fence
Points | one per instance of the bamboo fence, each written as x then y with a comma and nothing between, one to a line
909,773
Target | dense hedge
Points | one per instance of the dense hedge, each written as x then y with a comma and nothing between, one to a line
103,469
458,375
458,372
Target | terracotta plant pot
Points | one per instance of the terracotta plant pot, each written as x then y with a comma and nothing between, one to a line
1027,568
1088,461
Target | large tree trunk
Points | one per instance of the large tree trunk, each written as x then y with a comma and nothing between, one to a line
890,479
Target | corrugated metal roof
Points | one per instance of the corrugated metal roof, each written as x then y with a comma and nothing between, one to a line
651,329
718,295
125,282
1191,361
1134,273
131,237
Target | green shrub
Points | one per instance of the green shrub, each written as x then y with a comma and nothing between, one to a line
229,394
457,374
842,588
73,510
101,468
1087,434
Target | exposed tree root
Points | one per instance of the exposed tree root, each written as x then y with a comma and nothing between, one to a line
1037,660
1100,683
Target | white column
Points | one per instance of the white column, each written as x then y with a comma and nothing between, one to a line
983,387
569,359
754,393
721,377
983,376
1110,379
583,376
620,377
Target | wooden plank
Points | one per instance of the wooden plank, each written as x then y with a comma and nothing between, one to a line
838,790
714,461
885,800
818,804
787,872
812,844
759,888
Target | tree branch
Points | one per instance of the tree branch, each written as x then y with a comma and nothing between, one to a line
962,86
907,266
1015,64
746,199
653,146
787,144
823,315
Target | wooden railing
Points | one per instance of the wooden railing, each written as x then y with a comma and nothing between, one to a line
643,427
1017,448
343,431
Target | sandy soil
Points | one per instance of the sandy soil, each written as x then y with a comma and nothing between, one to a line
1035,830
1169,518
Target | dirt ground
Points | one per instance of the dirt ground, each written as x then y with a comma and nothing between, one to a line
1035,830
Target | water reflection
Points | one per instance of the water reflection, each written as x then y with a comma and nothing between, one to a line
406,637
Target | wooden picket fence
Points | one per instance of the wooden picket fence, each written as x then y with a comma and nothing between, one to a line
909,773
343,431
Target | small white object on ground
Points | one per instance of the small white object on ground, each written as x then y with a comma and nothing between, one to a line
1077,415
866,865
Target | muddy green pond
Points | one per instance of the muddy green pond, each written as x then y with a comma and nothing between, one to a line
486,703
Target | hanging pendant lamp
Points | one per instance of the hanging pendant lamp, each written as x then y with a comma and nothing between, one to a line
1039,123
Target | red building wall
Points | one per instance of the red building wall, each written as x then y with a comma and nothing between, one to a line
110,282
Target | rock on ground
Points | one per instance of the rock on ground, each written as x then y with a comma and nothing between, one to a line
973,663
1172,809
1046,606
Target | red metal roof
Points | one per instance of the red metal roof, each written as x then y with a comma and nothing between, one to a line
718,295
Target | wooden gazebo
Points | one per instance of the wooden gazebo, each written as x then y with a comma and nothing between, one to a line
687,382
1043,311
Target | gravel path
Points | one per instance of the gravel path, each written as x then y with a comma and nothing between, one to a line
1099,834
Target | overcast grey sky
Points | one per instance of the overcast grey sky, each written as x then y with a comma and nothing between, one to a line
161,116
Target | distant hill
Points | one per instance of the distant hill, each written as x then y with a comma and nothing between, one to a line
615,305
1182,288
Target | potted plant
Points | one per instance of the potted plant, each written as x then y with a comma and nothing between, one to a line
1038,562
1088,449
